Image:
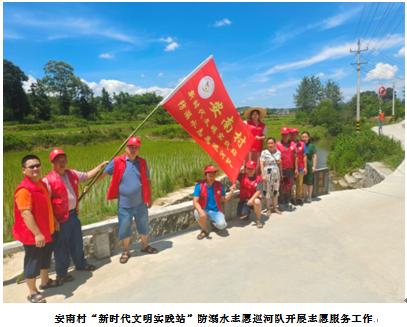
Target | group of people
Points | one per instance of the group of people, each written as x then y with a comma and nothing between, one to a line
46,210
46,213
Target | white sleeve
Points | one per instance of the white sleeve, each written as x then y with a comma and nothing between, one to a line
48,187
265,131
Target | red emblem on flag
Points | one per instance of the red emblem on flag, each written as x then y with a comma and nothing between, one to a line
203,108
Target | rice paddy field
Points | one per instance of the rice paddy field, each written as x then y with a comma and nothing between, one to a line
171,164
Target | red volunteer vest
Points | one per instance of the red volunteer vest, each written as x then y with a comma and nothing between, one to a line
247,188
287,155
119,166
256,131
300,152
39,210
203,197
59,196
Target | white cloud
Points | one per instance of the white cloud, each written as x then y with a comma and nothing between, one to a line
172,46
320,75
106,55
401,53
117,87
249,98
338,74
284,85
56,37
168,39
142,75
27,84
327,53
223,22
381,70
160,74
11,35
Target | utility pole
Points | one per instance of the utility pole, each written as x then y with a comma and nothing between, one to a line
380,114
358,94
394,91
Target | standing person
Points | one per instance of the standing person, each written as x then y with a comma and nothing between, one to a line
251,186
62,184
131,185
259,131
311,166
271,172
207,196
289,161
300,167
34,227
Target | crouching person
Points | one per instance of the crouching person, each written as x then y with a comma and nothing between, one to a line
207,196
251,186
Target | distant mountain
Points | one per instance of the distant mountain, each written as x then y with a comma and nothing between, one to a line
270,111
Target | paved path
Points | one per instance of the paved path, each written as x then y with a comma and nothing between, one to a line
347,246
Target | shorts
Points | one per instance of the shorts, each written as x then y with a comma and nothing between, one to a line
36,258
216,216
243,209
126,215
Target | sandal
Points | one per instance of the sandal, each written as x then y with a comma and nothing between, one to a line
244,217
150,250
125,257
277,211
259,224
50,284
214,228
36,298
67,278
202,235
88,268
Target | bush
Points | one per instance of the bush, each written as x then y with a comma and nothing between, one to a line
324,113
12,142
351,150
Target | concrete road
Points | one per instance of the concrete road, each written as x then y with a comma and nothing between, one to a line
347,246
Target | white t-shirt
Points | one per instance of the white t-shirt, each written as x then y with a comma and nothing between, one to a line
71,193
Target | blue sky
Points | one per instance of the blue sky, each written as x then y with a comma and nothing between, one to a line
262,50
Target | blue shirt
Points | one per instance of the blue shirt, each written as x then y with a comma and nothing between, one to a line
130,193
210,203
305,152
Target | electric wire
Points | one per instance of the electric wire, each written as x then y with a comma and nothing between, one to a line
358,25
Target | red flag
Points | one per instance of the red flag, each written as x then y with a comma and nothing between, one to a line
203,107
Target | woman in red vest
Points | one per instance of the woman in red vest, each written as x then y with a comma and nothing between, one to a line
259,131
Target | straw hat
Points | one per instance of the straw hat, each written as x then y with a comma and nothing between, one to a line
263,112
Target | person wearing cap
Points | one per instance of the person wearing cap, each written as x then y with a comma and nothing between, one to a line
131,185
207,196
62,185
300,167
259,131
288,161
272,172
34,227
251,186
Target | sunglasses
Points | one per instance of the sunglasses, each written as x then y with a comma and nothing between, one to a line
34,166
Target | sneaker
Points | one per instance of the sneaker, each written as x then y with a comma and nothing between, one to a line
293,202
309,200
299,202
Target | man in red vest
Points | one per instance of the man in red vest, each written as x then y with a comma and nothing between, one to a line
251,186
301,166
289,162
34,227
207,196
62,184
131,185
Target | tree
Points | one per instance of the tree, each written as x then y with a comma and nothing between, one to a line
61,81
324,113
15,100
40,101
332,91
308,94
389,95
106,102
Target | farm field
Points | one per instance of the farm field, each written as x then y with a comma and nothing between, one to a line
173,164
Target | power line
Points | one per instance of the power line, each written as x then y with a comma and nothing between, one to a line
379,24
366,19
378,4
388,26
358,24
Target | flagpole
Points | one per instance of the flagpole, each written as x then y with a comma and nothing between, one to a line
90,184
